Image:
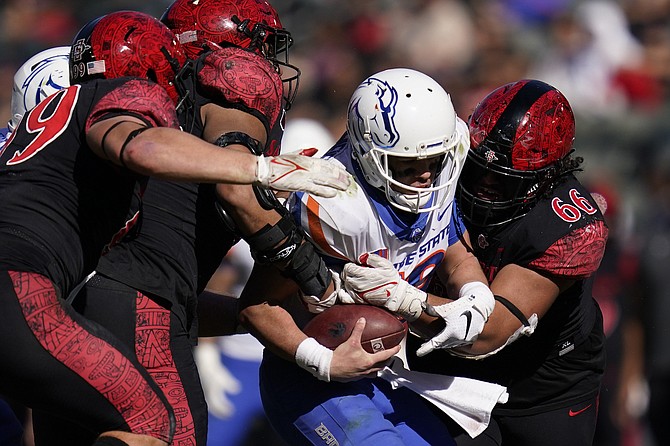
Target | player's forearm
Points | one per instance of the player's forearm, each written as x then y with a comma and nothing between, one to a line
467,270
172,154
217,314
261,313
241,204
274,328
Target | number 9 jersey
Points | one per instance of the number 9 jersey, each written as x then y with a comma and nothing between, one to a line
61,203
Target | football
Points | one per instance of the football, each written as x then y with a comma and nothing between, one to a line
383,329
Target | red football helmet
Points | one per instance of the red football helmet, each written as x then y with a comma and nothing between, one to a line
520,134
203,25
127,43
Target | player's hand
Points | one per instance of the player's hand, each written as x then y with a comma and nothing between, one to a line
217,381
294,172
377,282
318,304
351,362
465,318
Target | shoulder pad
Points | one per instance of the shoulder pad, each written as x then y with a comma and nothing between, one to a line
138,97
234,77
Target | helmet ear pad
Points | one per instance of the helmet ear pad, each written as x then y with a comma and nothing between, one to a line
127,43
404,113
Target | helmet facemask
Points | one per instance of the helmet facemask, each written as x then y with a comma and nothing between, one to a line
273,44
492,195
416,199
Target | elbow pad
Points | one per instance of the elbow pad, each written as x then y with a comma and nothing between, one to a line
285,246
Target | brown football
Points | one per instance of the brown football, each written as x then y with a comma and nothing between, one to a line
383,329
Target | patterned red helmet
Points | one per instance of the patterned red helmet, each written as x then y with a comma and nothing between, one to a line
203,25
211,24
127,43
519,135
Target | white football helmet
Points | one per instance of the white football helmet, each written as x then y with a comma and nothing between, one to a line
404,113
40,76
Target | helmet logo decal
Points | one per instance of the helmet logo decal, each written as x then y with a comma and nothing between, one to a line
78,49
490,156
45,86
382,128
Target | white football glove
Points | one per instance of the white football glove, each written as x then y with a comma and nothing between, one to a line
317,304
524,330
377,282
465,318
217,381
292,172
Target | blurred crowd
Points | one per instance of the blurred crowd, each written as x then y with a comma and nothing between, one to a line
611,59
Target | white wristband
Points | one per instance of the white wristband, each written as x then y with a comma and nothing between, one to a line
481,296
315,358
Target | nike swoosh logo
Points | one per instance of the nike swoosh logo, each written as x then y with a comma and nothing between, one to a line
575,413
468,317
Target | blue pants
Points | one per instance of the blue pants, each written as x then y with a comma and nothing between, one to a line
306,411
248,421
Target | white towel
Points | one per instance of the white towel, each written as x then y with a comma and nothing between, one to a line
467,401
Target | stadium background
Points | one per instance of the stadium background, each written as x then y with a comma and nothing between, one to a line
610,58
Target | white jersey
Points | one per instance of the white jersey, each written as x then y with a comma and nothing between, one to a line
362,221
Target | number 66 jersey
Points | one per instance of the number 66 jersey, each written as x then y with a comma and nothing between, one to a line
563,236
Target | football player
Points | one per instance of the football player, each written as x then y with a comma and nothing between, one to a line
405,147
68,175
41,75
540,237
233,99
